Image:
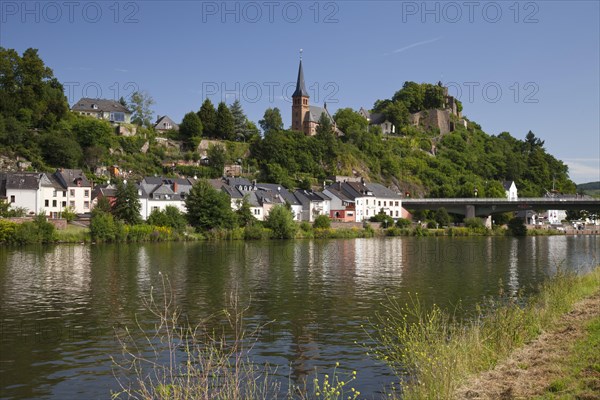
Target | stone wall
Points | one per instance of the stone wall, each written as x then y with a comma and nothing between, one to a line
432,119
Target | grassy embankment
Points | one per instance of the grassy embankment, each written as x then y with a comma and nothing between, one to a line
433,353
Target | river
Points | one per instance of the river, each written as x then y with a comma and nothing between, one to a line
60,306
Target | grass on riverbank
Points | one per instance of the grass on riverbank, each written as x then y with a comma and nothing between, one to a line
580,374
432,352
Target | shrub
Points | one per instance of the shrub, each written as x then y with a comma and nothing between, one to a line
281,221
102,227
322,222
474,223
403,223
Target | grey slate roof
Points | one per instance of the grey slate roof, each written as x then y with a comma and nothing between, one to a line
69,177
286,194
300,86
381,191
86,104
23,180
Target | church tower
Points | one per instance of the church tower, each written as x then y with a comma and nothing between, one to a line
300,108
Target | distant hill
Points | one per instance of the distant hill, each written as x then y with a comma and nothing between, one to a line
591,188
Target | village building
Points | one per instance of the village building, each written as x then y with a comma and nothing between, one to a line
306,117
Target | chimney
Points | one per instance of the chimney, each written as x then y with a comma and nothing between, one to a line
175,187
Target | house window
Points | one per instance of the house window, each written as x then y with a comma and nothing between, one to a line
64,204
64,193
53,203
117,117
396,204
94,106
154,208
86,205
86,193
379,203
72,204
54,193
72,192
396,213
367,201
385,203
46,203
12,199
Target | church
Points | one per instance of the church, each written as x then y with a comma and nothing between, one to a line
305,118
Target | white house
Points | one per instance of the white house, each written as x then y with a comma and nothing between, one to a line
378,119
387,200
25,190
75,189
313,204
156,193
511,190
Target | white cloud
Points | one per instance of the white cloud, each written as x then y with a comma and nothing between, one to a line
583,170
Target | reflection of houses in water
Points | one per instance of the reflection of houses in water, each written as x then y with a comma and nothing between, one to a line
513,268
379,259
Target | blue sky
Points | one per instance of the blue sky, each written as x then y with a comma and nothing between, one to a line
516,66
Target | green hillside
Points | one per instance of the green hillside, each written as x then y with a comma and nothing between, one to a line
35,124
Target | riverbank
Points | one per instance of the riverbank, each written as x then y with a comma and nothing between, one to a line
508,349
563,361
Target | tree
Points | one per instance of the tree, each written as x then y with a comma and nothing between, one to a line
281,221
140,105
191,127
102,226
397,113
170,217
271,120
349,120
225,125
61,151
239,120
217,158
103,204
244,213
127,205
92,132
441,217
516,227
208,208
208,116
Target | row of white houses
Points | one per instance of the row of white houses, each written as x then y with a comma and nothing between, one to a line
49,193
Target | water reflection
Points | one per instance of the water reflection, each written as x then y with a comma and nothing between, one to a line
59,306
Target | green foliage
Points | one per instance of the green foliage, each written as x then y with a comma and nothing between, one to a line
208,116
208,208
441,217
244,213
103,204
516,227
474,223
385,220
140,105
240,122
217,157
92,132
322,222
170,217
7,211
61,151
281,221
225,124
403,223
30,95
191,127
102,227
69,214
271,121
127,205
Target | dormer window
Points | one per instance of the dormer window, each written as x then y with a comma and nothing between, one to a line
94,106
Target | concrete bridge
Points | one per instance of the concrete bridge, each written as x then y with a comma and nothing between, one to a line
474,207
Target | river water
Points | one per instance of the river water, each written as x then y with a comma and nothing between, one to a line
61,306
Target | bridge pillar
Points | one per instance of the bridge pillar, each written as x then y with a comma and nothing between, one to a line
469,211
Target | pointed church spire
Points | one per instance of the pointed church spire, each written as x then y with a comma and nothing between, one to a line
300,86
